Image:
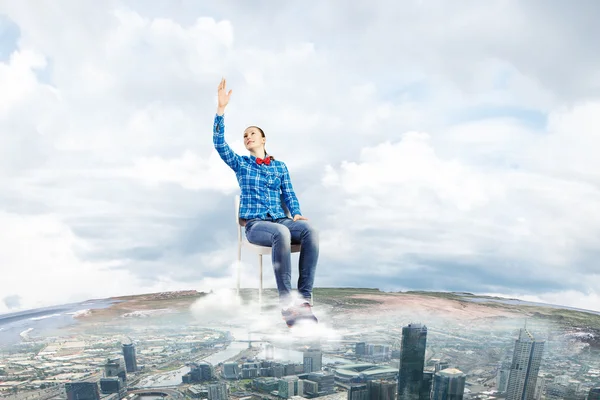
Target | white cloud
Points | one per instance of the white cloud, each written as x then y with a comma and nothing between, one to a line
189,171
39,261
42,265
415,139
520,222
18,79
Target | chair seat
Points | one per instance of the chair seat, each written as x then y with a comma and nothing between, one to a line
266,250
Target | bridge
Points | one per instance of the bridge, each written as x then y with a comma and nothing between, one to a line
249,340
164,392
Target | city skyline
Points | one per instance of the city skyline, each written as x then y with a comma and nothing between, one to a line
448,380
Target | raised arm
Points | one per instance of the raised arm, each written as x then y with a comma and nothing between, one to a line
289,197
225,152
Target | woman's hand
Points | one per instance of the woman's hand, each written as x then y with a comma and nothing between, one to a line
223,96
298,217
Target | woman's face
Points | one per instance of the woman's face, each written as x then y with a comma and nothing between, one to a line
253,140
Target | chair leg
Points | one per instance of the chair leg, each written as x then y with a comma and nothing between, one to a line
239,267
260,280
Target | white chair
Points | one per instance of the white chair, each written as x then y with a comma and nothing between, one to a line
260,250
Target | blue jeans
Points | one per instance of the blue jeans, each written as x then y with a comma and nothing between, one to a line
280,234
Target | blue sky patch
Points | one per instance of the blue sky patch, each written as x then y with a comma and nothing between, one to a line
9,36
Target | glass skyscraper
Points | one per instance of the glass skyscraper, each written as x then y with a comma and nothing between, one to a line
129,356
412,361
594,394
82,391
527,358
448,384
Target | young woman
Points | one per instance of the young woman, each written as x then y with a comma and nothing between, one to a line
263,180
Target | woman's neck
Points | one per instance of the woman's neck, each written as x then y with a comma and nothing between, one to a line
259,154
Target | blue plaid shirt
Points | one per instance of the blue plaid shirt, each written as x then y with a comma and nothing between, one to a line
261,185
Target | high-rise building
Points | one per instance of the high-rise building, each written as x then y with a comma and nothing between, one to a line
358,391
278,370
381,389
426,384
249,373
594,394
82,391
527,358
412,361
359,349
111,385
199,372
540,388
377,352
440,365
310,389
114,368
129,355
217,391
313,359
267,384
290,369
288,386
325,383
502,377
448,384
231,370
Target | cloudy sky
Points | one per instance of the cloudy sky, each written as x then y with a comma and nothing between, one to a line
435,145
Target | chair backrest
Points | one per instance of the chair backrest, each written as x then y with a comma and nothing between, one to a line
242,222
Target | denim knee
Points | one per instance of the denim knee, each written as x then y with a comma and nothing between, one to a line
283,235
311,233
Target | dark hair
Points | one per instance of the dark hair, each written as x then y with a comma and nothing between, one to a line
262,133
